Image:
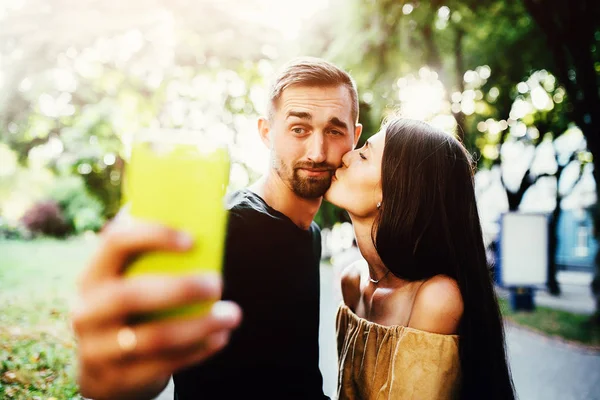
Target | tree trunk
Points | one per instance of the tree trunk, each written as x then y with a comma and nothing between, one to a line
515,198
460,70
552,284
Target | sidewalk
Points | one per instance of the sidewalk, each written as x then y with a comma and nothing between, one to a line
576,294
546,369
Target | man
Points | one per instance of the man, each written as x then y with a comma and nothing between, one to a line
271,270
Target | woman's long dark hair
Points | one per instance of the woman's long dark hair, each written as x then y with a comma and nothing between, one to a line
428,225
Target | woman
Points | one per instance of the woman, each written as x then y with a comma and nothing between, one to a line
422,321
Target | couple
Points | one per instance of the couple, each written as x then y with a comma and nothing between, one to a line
419,321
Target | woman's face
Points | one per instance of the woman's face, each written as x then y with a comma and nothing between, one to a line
356,185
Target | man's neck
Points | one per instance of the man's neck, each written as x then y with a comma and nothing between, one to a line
280,197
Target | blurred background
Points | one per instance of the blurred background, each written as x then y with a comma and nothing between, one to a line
517,80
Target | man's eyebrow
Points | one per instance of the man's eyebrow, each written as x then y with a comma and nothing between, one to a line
299,114
339,123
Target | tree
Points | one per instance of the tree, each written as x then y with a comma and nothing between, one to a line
513,38
74,92
572,32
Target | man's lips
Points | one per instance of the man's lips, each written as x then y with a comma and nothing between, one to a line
316,171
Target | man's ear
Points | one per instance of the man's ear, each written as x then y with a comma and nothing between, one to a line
357,132
264,128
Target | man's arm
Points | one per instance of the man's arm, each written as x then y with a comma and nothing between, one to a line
139,367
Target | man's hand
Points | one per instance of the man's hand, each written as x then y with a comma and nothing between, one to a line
121,361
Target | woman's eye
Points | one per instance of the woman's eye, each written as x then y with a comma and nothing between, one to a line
362,156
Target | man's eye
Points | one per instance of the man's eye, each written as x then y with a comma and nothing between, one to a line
336,132
298,131
362,156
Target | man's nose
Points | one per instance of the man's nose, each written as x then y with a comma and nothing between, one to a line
316,149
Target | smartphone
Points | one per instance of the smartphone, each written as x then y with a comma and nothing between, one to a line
179,179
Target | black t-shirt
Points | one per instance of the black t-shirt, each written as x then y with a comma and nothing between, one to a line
271,270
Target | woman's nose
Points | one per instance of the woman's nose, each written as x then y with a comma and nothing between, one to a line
346,159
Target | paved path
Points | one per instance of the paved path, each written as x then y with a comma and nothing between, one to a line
576,293
547,369
542,368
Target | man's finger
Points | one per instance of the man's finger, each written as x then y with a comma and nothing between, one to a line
113,302
123,240
134,377
160,338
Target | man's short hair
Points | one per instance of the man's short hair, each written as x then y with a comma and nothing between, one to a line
311,71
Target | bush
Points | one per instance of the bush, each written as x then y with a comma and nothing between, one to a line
46,218
14,232
82,211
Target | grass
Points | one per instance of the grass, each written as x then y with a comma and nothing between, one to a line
37,283
562,324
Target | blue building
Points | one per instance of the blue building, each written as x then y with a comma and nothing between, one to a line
577,245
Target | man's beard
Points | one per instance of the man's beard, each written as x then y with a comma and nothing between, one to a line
306,187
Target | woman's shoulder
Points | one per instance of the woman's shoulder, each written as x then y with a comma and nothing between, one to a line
351,279
438,306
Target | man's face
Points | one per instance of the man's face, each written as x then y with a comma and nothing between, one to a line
309,131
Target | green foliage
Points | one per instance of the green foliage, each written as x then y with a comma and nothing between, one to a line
81,97
72,108
12,231
105,184
36,366
82,211
391,39
328,215
37,347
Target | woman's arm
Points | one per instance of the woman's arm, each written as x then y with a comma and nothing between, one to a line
351,284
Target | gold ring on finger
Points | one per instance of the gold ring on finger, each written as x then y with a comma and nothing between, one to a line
126,339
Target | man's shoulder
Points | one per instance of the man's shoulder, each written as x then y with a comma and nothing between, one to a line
247,209
242,200
250,213
244,205
315,228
